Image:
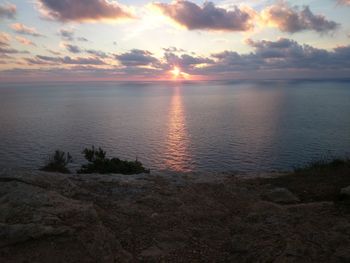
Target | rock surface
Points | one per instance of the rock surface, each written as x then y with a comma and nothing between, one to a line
281,195
345,191
48,217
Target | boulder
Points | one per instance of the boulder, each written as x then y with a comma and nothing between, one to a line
281,196
40,222
342,254
152,253
345,192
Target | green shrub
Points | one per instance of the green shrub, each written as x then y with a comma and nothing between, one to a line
98,163
58,162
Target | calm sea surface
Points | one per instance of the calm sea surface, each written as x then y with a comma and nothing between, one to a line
211,126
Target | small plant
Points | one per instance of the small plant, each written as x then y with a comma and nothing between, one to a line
325,164
98,163
58,162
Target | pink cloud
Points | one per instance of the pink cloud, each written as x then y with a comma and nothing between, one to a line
83,10
25,30
207,17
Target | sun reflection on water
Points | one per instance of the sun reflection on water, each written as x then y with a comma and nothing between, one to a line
177,156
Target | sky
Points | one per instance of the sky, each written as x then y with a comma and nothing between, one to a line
50,40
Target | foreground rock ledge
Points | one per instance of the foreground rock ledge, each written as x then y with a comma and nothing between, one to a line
48,217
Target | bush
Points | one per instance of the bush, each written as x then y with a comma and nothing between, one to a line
58,162
331,164
98,163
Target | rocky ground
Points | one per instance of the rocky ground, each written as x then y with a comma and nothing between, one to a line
48,217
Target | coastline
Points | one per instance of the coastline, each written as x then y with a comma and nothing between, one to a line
172,217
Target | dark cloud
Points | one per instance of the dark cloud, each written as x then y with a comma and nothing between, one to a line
5,56
54,52
230,61
72,48
25,30
185,62
174,49
97,53
208,17
8,11
66,34
276,49
48,59
74,72
6,50
82,39
83,10
39,60
82,61
137,57
284,55
36,61
43,60
7,53
283,58
294,19
69,35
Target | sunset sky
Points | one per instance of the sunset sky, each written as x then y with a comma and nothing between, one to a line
42,40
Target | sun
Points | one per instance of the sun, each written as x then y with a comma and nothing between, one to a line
176,72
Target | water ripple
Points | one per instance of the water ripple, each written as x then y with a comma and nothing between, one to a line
205,127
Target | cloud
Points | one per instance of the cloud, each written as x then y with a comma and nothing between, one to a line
8,50
48,59
83,10
69,35
40,60
82,39
185,62
82,61
25,41
276,49
36,61
284,58
294,19
54,52
4,39
72,48
97,53
66,34
137,57
25,30
208,16
8,11
344,2
75,72
173,49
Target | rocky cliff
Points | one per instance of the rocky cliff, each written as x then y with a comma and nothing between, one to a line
48,217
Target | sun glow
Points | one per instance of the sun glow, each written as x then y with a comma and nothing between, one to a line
176,72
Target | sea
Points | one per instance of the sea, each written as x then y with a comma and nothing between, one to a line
203,126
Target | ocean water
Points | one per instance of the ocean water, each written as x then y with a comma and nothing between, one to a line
203,126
